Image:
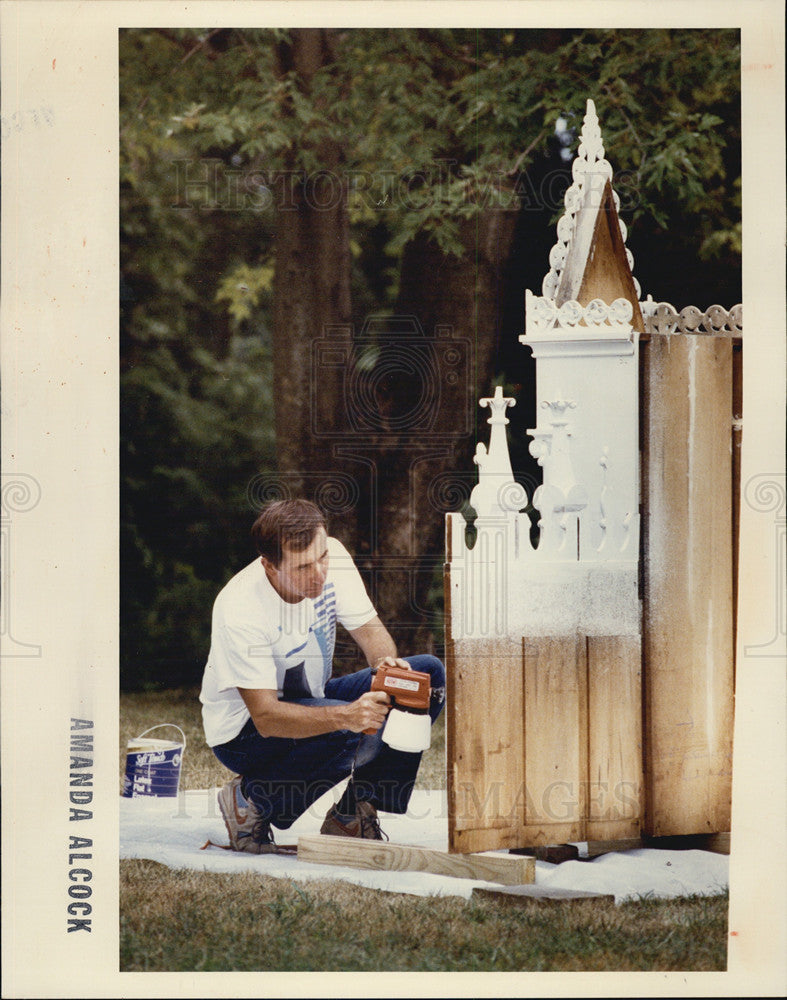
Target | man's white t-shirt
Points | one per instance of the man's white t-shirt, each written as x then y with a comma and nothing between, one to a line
260,641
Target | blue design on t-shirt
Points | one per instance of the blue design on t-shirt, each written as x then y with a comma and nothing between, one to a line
324,627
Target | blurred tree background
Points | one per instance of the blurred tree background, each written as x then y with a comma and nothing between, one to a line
325,240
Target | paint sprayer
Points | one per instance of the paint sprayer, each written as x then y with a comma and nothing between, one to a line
408,725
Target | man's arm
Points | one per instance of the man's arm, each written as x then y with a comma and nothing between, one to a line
281,718
376,644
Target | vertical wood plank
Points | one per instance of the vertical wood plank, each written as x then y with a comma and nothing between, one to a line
485,739
555,744
737,441
614,737
688,653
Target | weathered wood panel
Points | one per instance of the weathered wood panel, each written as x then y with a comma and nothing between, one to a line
737,442
688,637
485,743
614,737
555,744
379,855
498,838
597,268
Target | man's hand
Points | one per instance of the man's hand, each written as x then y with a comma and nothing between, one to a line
391,661
368,712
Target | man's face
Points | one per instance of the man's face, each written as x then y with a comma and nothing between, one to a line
300,574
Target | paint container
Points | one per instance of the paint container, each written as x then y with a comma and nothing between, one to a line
153,765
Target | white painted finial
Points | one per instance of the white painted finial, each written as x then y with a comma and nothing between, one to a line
498,404
560,494
590,154
589,171
496,492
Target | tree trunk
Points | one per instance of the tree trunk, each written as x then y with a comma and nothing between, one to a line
427,382
311,307
379,429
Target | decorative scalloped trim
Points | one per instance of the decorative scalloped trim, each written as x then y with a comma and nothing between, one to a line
542,314
664,318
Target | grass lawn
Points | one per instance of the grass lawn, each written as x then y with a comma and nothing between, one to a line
183,920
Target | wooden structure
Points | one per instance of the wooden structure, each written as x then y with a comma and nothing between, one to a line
591,673
691,419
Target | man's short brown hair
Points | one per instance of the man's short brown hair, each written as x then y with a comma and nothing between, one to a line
286,522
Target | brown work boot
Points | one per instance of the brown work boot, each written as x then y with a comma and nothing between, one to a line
247,830
365,823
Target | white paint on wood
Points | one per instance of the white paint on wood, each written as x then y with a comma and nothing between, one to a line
578,577
586,441
497,492
590,172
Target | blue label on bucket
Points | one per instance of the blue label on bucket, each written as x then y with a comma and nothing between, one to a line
153,772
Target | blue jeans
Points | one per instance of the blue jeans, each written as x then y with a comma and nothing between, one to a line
282,777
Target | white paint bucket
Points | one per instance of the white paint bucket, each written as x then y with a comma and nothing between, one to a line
153,765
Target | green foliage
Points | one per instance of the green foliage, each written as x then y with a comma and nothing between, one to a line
432,127
191,443
669,104
444,119
196,403
243,288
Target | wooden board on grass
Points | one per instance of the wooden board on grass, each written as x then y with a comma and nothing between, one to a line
378,855
542,893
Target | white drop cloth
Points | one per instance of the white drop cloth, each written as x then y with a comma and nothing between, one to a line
172,831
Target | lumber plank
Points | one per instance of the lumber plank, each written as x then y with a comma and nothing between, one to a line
737,441
718,843
598,847
614,737
535,836
688,635
489,839
555,854
555,690
376,855
485,742
541,893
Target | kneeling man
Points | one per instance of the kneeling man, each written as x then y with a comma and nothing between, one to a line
273,713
